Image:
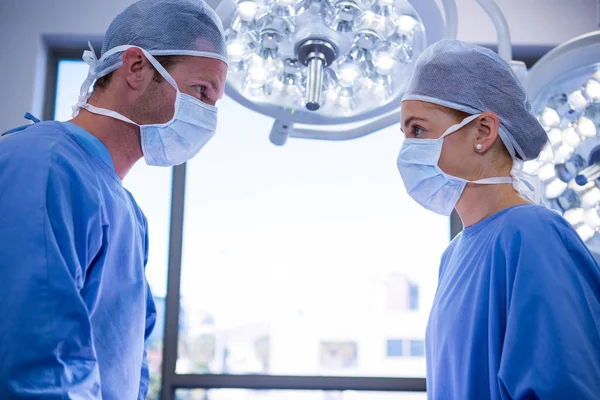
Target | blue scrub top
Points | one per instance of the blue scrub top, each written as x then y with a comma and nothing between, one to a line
517,312
91,142
75,305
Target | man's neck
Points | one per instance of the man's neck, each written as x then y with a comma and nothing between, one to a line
481,201
120,138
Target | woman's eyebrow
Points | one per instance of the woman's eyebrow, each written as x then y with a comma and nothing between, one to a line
411,119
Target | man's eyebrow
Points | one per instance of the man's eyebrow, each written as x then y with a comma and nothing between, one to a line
212,83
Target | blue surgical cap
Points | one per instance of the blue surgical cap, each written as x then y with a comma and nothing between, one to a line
163,28
473,79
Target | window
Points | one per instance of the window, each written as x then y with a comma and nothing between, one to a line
151,188
338,355
402,293
414,296
297,261
398,348
303,246
417,348
395,348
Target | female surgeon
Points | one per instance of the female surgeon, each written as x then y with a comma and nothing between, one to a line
516,314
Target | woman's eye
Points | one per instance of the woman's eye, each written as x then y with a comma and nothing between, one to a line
417,131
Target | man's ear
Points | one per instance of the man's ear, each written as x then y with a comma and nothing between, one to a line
136,69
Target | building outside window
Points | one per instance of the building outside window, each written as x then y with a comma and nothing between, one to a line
395,348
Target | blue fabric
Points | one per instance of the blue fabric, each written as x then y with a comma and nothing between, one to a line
517,312
75,305
164,27
20,128
91,142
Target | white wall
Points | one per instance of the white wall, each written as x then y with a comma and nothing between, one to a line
531,22
25,23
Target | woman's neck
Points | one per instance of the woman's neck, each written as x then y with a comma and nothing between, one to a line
481,201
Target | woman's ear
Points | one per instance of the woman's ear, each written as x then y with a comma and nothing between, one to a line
487,125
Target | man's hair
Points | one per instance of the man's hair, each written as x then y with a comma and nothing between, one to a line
166,61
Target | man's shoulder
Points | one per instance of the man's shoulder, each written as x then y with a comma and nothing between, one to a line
37,142
45,158
42,146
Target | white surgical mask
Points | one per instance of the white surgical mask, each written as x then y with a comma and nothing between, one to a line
425,182
168,144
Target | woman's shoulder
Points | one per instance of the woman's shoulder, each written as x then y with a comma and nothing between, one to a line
532,218
537,224
526,224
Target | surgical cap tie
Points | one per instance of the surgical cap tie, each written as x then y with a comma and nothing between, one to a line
89,57
524,183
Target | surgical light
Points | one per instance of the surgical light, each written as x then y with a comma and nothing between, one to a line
564,88
585,232
355,39
354,57
328,62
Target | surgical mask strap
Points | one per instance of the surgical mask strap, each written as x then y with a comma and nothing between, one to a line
494,181
161,70
89,57
457,127
524,183
485,181
107,113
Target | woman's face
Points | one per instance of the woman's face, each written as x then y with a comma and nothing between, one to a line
422,120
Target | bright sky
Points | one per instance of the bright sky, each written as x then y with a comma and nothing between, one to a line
269,229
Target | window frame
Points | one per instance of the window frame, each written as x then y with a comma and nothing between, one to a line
60,49
170,379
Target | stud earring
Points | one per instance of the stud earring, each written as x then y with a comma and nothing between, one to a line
479,146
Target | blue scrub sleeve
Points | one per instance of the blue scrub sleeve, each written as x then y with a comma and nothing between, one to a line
150,322
551,346
46,237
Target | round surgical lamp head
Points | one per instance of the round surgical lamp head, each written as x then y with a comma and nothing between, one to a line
326,62
564,89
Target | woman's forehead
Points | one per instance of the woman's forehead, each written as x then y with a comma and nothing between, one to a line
424,109
417,109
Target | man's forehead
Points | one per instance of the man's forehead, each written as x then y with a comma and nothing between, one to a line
207,67
211,71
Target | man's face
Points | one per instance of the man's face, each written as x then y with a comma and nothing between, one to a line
200,77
